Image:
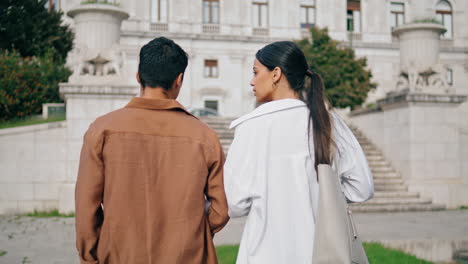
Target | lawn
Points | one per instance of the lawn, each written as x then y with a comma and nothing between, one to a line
34,120
376,253
47,214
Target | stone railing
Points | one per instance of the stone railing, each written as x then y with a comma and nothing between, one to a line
159,27
261,31
211,28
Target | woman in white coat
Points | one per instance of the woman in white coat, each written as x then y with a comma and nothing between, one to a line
270,172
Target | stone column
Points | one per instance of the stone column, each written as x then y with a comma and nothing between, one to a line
96,86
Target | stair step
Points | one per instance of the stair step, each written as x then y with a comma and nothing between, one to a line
372,152
363,208
390,187
377,163
388,181
394,194
225,141
368,147
363,139
220,124
397,200
228,134
386,175
381,169
375,158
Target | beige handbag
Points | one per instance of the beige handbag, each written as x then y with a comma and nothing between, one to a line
336,240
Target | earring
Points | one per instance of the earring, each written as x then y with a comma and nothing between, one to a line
274,85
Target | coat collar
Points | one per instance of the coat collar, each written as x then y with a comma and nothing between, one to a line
156,104
267,108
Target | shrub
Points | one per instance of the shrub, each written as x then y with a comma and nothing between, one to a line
27,83
347,81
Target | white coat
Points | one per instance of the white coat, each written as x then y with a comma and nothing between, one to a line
269,176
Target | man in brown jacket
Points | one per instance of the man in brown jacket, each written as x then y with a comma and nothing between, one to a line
150,182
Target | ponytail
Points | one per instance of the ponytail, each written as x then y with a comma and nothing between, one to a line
309,86
320,118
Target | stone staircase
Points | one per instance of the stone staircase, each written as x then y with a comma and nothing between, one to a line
391,193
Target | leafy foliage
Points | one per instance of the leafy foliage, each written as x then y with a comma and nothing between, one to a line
347,81
28,27
27,83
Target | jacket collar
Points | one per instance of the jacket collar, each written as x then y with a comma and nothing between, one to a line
156,104
267,108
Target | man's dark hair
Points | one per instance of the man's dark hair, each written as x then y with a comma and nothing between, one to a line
161,61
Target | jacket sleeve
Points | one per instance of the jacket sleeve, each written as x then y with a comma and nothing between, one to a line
352,166
239,174
214,190
88,197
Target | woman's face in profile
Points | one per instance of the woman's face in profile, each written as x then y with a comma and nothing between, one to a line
262,82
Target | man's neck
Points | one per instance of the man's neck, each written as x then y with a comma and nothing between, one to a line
155,93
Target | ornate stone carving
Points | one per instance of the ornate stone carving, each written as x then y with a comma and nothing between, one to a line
86,63
431,80
420,69
97,56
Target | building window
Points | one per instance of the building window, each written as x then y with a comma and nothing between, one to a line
449,76
260,13
444,15
307,13
211,11
158,11
211,68
397,14
211,104
53,5
353,18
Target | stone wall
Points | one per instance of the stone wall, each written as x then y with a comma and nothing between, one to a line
33,167
84,104
426,142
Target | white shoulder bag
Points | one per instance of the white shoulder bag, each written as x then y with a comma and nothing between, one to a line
336,240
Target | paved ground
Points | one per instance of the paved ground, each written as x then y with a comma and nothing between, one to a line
50,241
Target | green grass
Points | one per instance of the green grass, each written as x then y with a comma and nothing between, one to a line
34,120
376,253
227,254
46,214
463,207
3,253
99,2
428,20
379,254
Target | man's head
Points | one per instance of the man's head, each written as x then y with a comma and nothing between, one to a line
162,65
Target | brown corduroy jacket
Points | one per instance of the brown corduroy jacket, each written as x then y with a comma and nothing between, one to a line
145,173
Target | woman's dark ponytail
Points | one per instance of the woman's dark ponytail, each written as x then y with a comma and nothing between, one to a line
309,86
319,118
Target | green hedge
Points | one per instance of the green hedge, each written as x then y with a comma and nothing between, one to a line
27,83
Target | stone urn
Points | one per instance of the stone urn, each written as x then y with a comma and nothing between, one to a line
97,26
97,56
419,44
420,69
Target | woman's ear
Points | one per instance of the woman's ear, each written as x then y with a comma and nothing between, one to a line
277,74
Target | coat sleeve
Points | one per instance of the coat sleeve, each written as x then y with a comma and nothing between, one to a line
88,197
352,166
214,190
239,173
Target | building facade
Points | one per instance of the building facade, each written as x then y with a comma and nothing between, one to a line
222,37
424,135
